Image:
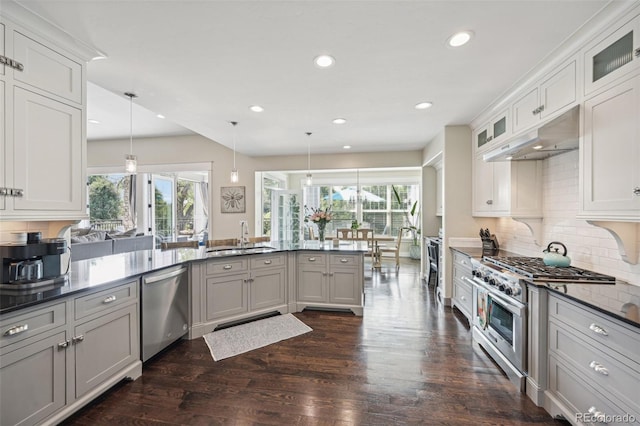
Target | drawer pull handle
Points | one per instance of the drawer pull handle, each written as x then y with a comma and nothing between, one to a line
343,260
227,267
110,299
77,339
312,259
598,416
16,330
598,330
599,368
267,262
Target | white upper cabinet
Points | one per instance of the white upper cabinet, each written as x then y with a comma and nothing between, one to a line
492,132
47,69
556,92
610,154
507,188
43,155
612,57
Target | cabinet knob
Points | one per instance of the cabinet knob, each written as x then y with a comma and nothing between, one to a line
637,52
63,345
77,339
489,202
540,108
636,191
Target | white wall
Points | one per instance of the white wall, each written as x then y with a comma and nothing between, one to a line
588,246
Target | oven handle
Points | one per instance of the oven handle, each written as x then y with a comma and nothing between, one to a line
512,306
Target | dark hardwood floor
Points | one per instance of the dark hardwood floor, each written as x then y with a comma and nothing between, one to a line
408,360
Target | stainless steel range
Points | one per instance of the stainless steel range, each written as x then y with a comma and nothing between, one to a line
500,305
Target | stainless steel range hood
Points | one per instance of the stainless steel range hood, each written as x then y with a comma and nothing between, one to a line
558,136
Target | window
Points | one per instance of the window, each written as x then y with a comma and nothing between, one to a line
173,206
269,185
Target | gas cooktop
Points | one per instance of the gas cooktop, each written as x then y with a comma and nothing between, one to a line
534,269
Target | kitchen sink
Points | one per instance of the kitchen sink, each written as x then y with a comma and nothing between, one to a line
238,251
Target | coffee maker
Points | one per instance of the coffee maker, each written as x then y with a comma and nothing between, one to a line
33,264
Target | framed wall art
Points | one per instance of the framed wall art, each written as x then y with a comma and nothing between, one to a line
232,199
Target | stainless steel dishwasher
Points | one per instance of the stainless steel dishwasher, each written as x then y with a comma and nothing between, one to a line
165,309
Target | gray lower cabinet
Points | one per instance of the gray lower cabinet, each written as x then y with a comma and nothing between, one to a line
238,287
594,365
57,357
330,281
462,290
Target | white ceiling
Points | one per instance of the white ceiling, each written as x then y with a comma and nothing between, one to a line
203,63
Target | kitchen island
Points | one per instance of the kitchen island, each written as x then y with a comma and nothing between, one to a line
63,346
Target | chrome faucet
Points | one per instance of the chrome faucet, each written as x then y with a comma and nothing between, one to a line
244,233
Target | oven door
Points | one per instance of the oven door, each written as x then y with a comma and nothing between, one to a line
503,324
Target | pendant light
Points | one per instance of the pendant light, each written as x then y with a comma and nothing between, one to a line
131,161
234,171
309,177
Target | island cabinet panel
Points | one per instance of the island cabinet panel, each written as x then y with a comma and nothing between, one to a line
227,296
332,281
236,288
594,364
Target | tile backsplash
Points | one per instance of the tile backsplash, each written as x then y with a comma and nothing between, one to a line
589,247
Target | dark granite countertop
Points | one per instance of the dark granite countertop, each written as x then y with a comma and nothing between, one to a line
620,300
104,271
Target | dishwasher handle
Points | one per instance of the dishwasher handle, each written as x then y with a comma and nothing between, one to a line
156,278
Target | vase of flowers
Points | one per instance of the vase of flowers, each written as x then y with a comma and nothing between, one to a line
320,218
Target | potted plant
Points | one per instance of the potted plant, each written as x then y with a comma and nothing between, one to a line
412,217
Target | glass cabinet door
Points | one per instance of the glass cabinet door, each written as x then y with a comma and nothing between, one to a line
613,56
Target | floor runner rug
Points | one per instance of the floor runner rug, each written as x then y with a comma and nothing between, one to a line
243,338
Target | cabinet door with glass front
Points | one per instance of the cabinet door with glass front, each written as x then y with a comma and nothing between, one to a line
492,132
613,56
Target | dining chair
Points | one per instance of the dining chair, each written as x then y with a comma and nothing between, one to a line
263,239
394,249
366,234
218,243
178,244
344,234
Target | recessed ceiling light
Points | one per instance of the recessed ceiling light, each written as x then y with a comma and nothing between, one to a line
339,121
324,61
424,105
347,147
256,108
537,147
92,121
160,116
460,39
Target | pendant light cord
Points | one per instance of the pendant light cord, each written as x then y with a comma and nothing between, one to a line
234,123
309,153
131,96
